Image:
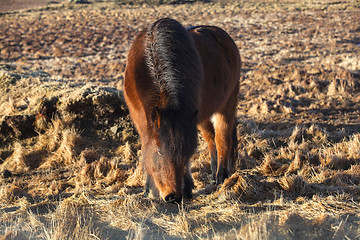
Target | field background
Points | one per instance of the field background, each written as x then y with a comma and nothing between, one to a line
69,153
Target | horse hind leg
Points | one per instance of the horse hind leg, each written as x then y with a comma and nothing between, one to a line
208,132
225,139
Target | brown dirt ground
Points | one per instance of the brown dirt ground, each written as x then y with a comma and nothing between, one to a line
16,5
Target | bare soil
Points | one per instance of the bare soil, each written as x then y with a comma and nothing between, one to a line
16,5
69,154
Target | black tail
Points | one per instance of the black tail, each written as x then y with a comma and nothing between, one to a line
234,152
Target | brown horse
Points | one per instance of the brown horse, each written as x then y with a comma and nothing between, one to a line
176,80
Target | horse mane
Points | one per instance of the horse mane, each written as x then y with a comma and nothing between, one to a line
173,64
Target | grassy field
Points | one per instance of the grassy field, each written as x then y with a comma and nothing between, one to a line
69,154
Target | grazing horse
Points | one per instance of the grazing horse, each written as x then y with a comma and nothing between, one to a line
178,80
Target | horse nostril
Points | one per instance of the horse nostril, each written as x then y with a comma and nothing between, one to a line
171,198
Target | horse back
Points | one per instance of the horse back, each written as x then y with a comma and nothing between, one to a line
221,68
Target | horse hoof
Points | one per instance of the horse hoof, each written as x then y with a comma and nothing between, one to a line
219,181
188,195
222,174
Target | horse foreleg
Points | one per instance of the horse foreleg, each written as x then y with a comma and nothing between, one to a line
147,186
188,183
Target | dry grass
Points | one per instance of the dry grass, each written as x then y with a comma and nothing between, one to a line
69,154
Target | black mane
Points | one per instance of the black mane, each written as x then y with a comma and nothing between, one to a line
175,67
178,135
174,64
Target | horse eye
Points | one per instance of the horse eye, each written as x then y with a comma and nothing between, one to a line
158,151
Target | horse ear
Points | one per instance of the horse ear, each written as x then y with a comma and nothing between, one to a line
155,116
195,116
